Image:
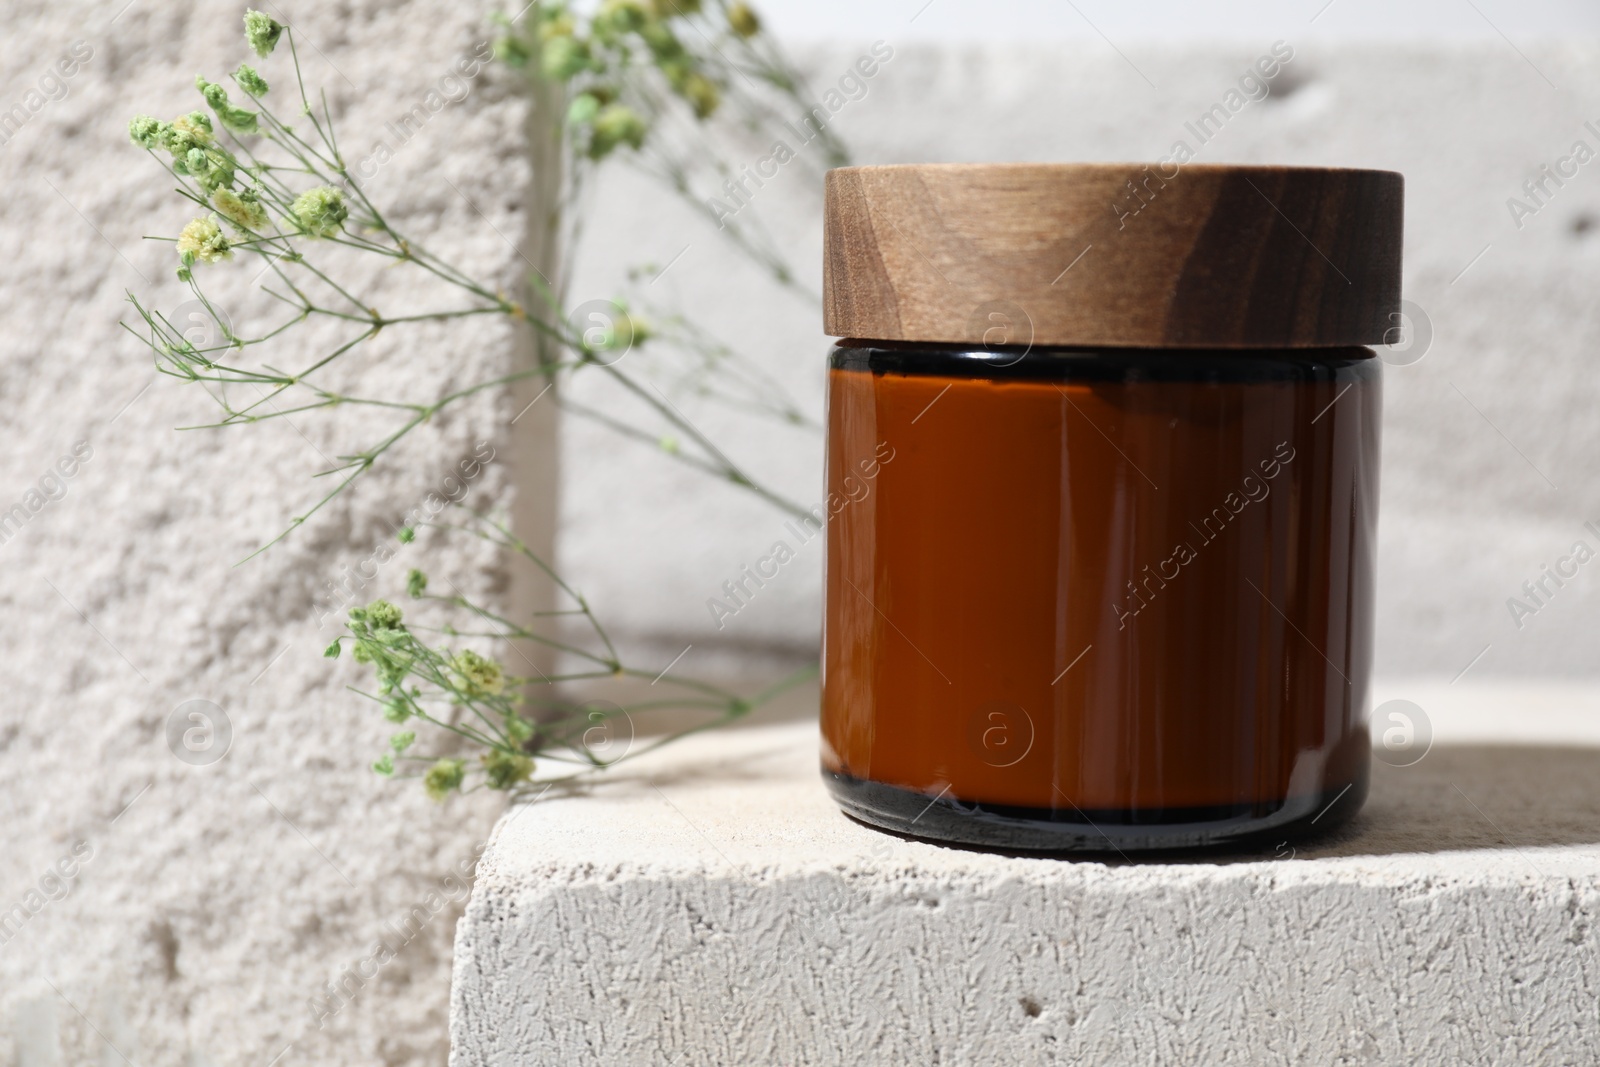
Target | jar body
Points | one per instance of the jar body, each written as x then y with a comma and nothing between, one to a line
1099,600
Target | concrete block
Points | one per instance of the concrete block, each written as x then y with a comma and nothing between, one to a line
711,906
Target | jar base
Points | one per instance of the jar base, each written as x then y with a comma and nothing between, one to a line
1006,828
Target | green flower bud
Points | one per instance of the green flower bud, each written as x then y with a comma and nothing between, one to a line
187,131
677,8
677,71
243,211
333,650
512,51
146,132
416,583
584,107
384,765
559,24
379,615
402,741
616,124
262,31
552,10
663,43
443,777
250,81
629,330
396,710
237,119
407,535
623,16
702,94
203,240
320,212
479,676
743,21
207,166
564,57
502,770
669,445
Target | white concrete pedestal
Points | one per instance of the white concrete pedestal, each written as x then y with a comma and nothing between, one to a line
712,907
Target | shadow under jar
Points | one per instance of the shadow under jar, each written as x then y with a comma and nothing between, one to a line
1100,548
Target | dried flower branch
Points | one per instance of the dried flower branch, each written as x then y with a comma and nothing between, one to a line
634,80
461,692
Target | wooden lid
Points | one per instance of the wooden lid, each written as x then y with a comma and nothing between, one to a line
1113,254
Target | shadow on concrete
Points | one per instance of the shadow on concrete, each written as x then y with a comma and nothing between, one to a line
1474,796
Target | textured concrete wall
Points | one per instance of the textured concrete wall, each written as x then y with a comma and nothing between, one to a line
179,913
1488,471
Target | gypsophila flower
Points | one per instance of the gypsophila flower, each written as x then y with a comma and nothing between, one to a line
558,24
380,615
627,66
250,81
479,676
319,212
502,770
563,57
203,240
743,21
262,31
416,582
190,140
702,94
237,119
614,125
211,169
663,43
146,132
616,17
583,109
246,213
628,331
407,535
190,131
444,777
512,51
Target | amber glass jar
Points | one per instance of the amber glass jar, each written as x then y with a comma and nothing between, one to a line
1100,572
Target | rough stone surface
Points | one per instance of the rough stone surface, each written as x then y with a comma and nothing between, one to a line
1488,440
713,907
217,900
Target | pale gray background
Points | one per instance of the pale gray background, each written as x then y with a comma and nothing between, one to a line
1478,435
945,22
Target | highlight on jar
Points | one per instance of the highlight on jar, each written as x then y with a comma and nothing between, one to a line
1115,592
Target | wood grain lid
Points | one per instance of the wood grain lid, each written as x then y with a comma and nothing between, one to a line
1113,254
